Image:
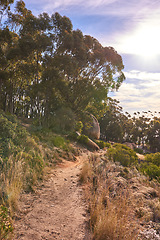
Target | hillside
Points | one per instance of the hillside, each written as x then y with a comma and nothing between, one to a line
55,187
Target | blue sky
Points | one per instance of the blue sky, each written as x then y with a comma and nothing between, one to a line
132,27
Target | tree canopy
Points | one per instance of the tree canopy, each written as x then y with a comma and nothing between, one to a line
46,64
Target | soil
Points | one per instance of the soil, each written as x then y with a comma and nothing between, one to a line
57,209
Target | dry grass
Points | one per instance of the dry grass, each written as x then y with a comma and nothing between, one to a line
85,174
111,217
12,182
20,172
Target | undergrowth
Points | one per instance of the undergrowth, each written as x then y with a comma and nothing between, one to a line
24,155
115,206
110,214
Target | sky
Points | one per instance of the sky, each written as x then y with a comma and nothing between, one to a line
132,27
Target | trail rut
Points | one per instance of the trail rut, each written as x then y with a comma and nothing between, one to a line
57,210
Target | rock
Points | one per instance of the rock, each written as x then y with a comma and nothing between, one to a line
93,130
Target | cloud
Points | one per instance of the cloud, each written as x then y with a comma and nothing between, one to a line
137,8
133,29
128,26
143,75
140,92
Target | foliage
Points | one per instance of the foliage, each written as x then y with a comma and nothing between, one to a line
102,144
79,126
153,134
63,121
150,169
123,154
151,166
153,158
21,160
5,223
50,138
11,134
142,129
113,123
83,139
73,136
46,65
138,150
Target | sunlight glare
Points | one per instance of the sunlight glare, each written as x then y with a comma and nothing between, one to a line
145,41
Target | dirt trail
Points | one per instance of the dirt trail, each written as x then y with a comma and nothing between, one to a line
57,209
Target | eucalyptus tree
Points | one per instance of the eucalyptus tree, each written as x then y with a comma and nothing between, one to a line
114,123
33,41
87,70
46,64
153,135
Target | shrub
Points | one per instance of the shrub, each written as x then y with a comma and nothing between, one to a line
86,173
79,126
153,158
138,150
11,135
83,139
123,154
108,145
151,170
101,144
21,160
62,121
5,223
73,136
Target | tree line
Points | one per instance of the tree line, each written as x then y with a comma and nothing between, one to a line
143,128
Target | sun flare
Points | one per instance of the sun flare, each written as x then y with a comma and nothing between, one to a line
144,41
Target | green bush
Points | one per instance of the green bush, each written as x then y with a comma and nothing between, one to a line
5,223
12,135
123,154
51,139
79,126
21,160
151,170
83,139
103,144
138,150
59,141
108,145
100,143
151,166
62,121
73,136
153,158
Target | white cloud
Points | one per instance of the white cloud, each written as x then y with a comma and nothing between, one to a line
58,5
143,75
137,29
140,92
137,8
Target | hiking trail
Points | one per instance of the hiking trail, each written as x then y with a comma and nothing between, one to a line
57,209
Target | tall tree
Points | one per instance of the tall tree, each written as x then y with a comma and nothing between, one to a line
87,70
113,123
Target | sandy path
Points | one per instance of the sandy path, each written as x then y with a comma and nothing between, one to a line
57,210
